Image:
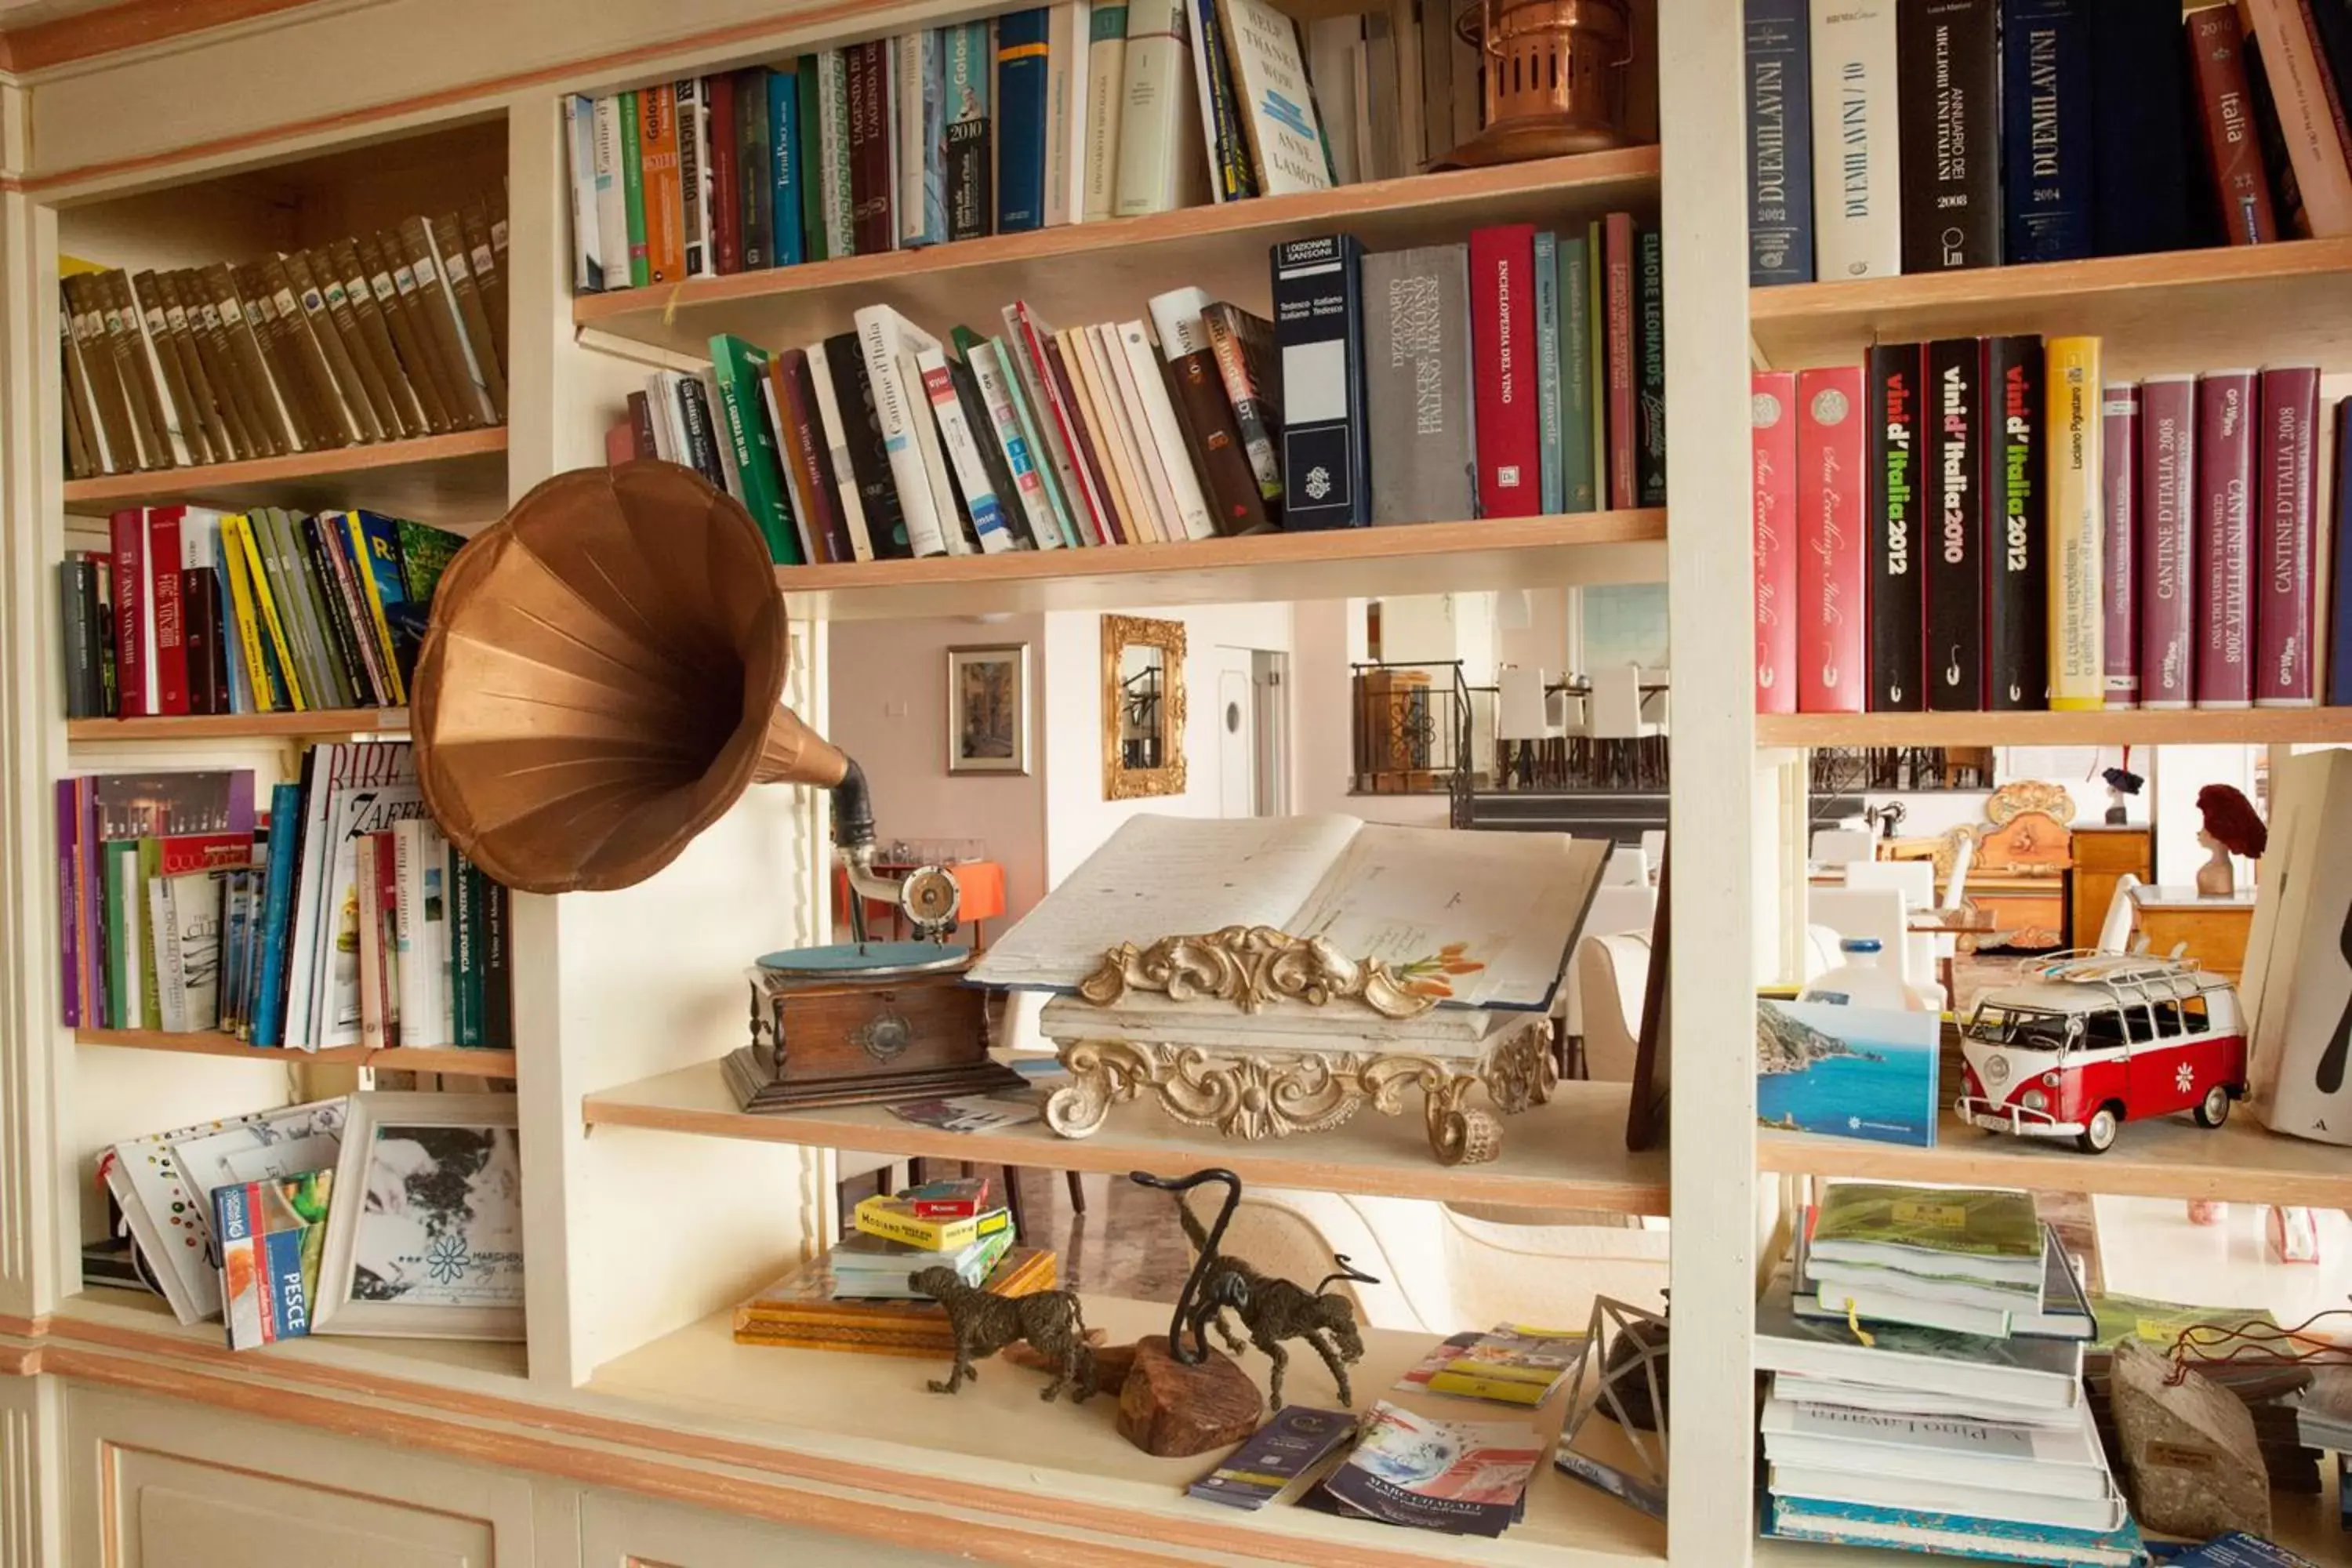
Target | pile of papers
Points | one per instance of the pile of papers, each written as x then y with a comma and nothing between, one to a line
1888,1425
1511,1363
1462,1478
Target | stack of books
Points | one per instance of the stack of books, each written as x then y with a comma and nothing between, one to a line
1460,1477
383,338
341,918
1886,137
190,610
1881,1431
1511,1363
2021,534
895,1242
1054,114
818,1307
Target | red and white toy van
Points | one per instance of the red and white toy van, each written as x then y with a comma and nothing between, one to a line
2087,1042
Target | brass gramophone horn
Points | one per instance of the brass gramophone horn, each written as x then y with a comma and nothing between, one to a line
601,679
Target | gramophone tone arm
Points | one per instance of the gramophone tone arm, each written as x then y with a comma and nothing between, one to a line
928,896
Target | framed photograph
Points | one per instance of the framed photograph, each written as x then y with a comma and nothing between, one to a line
988,708
424,1230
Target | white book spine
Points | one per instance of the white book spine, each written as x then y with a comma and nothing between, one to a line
908,75
1151,474
412,970
657,396
441,947
952,530
612,199
980,500
1277,110
997,397
1067,30
1192,507
171,981
1106,70
1152,116
147,634
1857,196
129,979
836,448
697,176
1405,28
877,339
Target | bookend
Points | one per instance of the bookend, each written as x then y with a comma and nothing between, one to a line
1624,1359
1153,1025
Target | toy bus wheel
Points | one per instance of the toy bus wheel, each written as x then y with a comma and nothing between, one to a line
2098,1134
2214,1108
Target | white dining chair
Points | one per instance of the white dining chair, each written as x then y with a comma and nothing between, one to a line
1842,846
2115,929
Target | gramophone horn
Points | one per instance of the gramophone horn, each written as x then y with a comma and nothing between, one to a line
601,680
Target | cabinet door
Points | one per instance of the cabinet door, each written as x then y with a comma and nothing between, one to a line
158,1484
621,1531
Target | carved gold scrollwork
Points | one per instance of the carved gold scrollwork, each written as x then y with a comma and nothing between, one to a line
1251,966
1521,1071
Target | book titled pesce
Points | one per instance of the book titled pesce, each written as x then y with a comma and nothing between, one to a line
1417,383
1319,324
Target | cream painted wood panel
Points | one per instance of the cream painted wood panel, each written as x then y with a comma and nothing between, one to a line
620,1531
155,1483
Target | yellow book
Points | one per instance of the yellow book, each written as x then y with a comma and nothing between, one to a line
375,554
2077,616
259,581
894,1220
248,625
1071,340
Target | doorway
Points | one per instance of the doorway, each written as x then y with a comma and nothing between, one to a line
1253,720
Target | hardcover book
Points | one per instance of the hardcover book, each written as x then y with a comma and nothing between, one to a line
1157,170
970,159
1580,456
2167,546
1832,495
1502,333
1780,143
2046,156
1278,108
1065,109
1620,350
1105,74
2286,604
2120,501
2017,579
2226,111
1858,180
1900,448
1224,140
1772,418
2340,641
1545,281
1318,321
1417,383
1021,120
919,122
1179,316
873,209
2227,415
1649,367
1247,361
1950,120
1956,561
2077,623
812,1309
2310,112
2144,143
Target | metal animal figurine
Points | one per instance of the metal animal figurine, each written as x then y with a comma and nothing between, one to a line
983,1323
1271,1309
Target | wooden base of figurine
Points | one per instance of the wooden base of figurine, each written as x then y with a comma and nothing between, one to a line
1173,1411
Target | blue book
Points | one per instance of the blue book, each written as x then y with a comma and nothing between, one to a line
971,198
2339,647
923,215
1780,143
1021,120
2238,1550
1914,1530
2047,150
784,154
276,906
1550,469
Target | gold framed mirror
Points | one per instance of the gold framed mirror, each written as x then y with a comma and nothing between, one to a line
1143,706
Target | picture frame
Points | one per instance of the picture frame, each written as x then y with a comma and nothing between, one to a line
424,1230
1142,707
988,710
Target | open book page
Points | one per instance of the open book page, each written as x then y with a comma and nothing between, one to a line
1167,876
1481,920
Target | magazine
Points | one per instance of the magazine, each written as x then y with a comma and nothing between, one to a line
1464,1478
1511,1363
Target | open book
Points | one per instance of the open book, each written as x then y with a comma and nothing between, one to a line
1478,920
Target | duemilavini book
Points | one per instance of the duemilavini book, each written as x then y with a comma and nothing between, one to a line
1848,1072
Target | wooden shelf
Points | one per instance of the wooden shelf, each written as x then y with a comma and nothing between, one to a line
1348,562
324,722
2239,1161
1569,1153
455,478
1067,1464
1105,271
2181,310
2116,727
471,1061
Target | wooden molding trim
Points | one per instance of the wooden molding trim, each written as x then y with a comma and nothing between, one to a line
41,45
24,1328
20,1361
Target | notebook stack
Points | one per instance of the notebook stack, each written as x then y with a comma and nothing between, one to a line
1890,1425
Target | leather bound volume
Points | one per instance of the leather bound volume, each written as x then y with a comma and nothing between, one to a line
2167,544
295,364
489,268
1954,476
374,335
2286,604
448,238
224,431
168,358
871,209
279,386
414,355
127,343
236,346
2226,482
337,334
1617,283
436,309
878,493
2225,108
103,372
1901,486
1503,372
84,451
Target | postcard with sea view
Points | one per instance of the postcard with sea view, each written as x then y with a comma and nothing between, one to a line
1850,1072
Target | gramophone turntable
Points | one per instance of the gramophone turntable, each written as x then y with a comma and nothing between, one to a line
602,681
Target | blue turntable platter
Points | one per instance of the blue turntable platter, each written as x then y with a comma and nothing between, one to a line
852,959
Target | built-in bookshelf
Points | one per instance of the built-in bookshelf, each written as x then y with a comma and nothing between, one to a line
457,480
464,1061
2109,727
315,724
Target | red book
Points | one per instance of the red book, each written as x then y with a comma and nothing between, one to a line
180,853
620,443
726,179
2286,599
873,229
2119,428
1772,414
2225,478
199,630
804,438
2225,106
169,645
2167,544
133,692
1617,326
1833,490
1503,369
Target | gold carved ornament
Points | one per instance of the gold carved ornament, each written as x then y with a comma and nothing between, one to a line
1119,634
1252,966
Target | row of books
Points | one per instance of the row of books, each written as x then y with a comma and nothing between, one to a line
1980,523
387,337
342,918
196,611
1901,136
1062,113
1520,373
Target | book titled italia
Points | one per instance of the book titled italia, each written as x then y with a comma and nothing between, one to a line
1318,328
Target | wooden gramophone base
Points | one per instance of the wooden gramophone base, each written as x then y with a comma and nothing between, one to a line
1524,140
759,1092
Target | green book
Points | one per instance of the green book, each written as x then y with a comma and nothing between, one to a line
740,369
1548,373
1981,1233
122,905
633,192
1596,334
1577,403
1031,433
141,914
2160,1323
811,141
465,951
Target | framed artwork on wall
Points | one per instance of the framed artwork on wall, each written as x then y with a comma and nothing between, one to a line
988,708
425,1228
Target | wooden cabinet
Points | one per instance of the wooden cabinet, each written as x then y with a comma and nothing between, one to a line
2212,930
621,1531
2102,854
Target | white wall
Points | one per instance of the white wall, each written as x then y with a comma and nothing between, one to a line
889,695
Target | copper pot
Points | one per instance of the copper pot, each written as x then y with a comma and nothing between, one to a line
1554,77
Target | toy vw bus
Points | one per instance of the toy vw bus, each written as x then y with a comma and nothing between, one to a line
2087,1042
